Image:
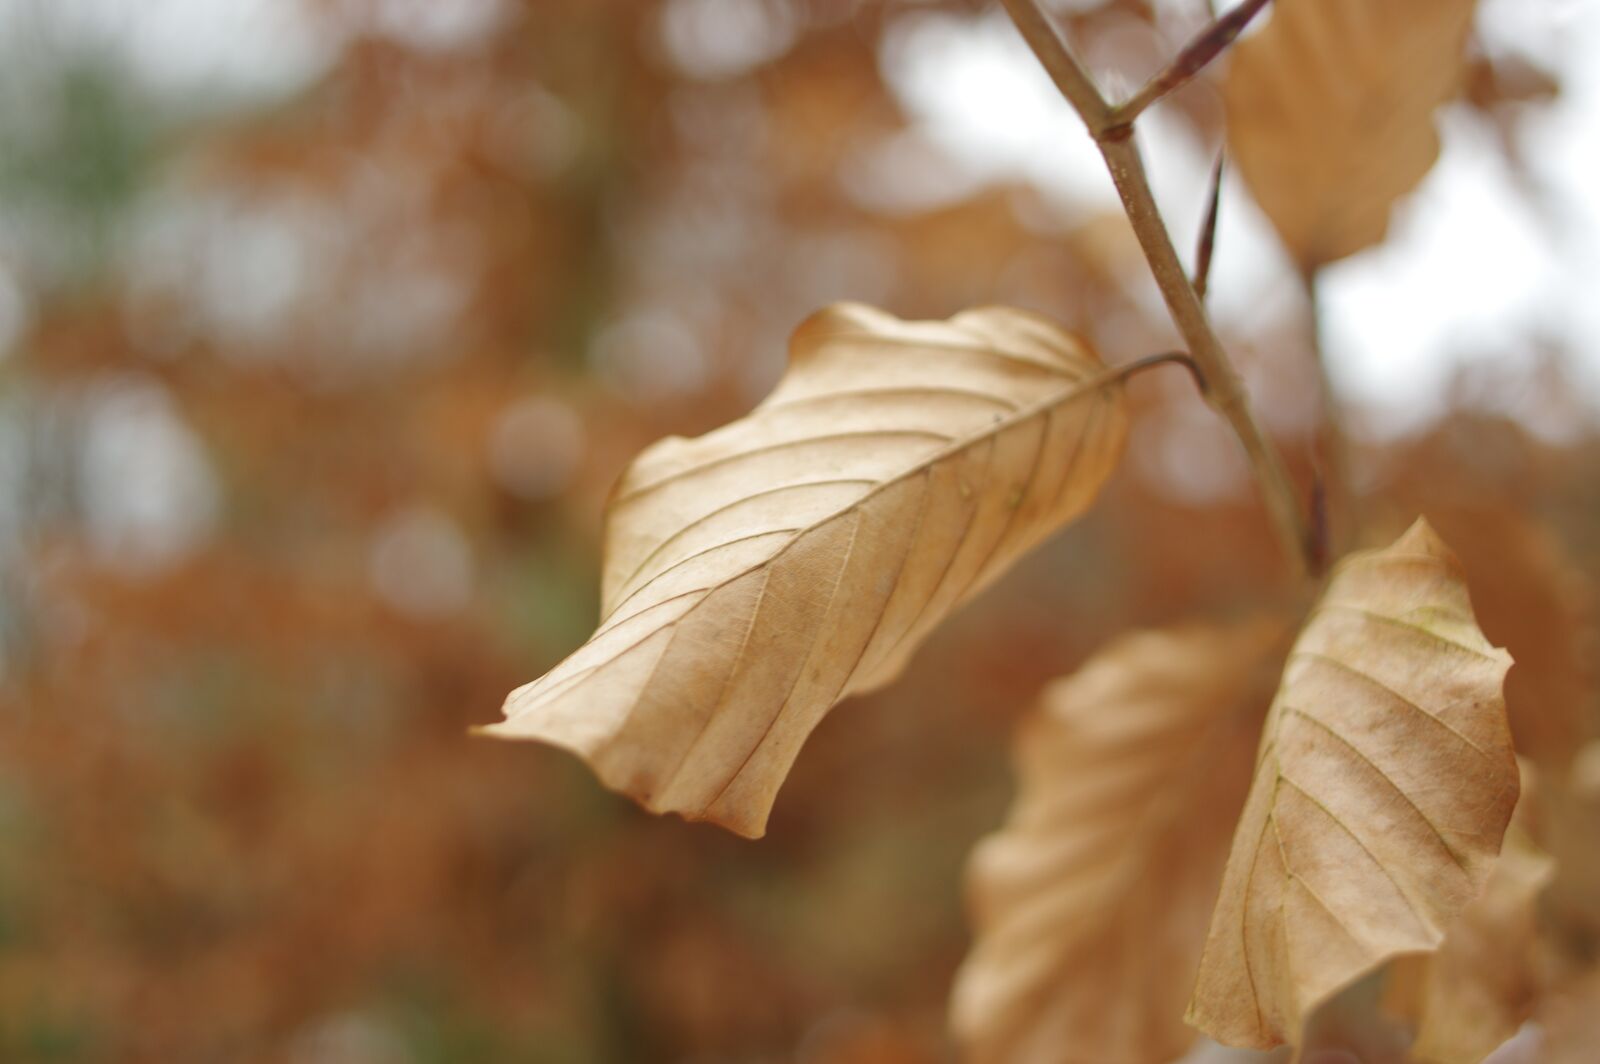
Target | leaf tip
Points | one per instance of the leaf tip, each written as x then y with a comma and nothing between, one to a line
1420,538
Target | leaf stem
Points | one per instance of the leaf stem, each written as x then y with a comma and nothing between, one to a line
1193,58
1180,358
1207,245
1225,392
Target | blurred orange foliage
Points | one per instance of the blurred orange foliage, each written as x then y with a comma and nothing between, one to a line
422,312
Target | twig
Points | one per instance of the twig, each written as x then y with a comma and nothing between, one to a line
1204,47
1208,233
1225,393
1333,445
1181,358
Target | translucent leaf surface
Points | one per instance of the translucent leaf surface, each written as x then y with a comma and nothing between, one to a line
1330,113
758,574
1091,904
1384,784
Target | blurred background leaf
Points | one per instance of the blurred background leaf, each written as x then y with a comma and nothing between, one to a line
327,326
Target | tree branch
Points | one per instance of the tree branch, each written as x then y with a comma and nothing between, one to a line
1225,391
1204,47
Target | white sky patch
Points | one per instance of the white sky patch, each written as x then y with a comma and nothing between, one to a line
146,489
650,355
420,563
714,39
1466,274
215,54
182,48
438,25
976,92
252,268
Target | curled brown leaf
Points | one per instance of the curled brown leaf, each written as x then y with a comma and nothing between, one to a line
759,574
1091,903
1330,113
1383,786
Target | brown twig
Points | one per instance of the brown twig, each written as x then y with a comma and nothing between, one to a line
1204,47
1179,358
1332,444
1208,233
1225,393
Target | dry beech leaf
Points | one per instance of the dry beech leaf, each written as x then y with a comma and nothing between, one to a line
1383,786
758,574
1475,992
1330,113
1091,903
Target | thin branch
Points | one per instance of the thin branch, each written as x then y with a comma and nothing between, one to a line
1227,394
1225,391
1204,47
1208,233
1180,358
1332,443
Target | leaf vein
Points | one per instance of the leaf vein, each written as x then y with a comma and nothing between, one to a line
680,563
907,390
1359,841
703,518
1348,745
781,445
1351,670
1401,622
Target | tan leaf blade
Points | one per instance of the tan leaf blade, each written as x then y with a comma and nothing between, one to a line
1382,790
1091,904
1330,113
758,574
1475,992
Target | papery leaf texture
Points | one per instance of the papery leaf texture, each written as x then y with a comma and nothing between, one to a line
1330,112
759,574
1383,787
1474,993
1091,903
